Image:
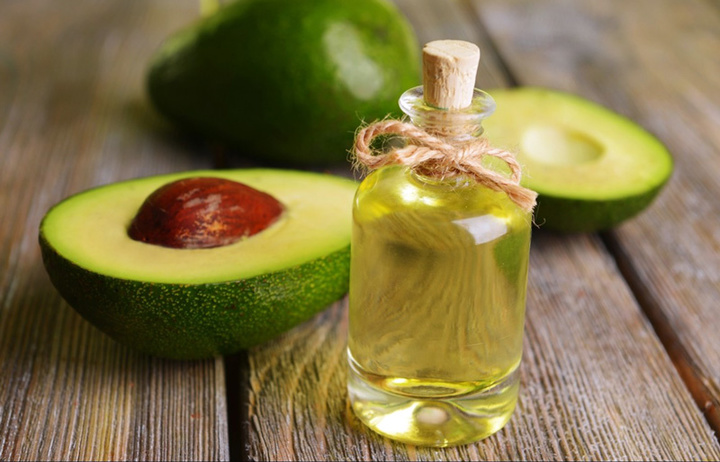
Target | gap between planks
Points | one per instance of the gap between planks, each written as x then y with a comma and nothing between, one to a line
237,368
470,12
648,303
237,388
687,369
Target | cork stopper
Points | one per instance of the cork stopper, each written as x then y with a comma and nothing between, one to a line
449,70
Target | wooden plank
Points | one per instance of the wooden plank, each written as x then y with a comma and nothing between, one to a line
73,115
665,73
595,381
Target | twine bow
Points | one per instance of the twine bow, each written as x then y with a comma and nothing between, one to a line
437,158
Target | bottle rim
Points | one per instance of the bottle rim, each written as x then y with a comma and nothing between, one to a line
412,103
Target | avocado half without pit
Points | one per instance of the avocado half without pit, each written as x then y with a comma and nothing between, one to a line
591,167
201,263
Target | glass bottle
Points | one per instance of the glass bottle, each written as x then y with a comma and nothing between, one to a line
437,294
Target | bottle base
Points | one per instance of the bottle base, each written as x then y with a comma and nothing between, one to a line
431,420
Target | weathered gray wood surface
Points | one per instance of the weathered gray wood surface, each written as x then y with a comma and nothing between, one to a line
657,62
621,354
73,116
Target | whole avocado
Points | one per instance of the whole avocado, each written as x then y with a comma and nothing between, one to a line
286,81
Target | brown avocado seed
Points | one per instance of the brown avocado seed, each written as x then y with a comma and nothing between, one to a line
203,212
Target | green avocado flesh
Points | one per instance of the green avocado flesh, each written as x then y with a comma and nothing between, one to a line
592,168
286,81
195,303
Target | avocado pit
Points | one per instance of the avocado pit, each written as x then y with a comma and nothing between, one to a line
202,213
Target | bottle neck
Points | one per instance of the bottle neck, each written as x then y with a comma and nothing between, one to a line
454,126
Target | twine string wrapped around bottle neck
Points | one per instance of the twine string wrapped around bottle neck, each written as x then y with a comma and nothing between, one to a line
435,157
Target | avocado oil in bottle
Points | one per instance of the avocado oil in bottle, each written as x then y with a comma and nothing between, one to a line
437,282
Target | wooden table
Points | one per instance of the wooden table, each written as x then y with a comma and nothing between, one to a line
622,350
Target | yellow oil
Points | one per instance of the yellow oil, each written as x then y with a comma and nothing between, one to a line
437,307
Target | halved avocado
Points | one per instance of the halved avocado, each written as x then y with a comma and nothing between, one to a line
195,303
591,167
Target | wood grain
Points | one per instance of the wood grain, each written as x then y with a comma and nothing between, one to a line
73,115
596,381
662,59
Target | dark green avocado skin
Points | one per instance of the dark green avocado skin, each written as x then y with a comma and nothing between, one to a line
585,216
286,81
203,320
